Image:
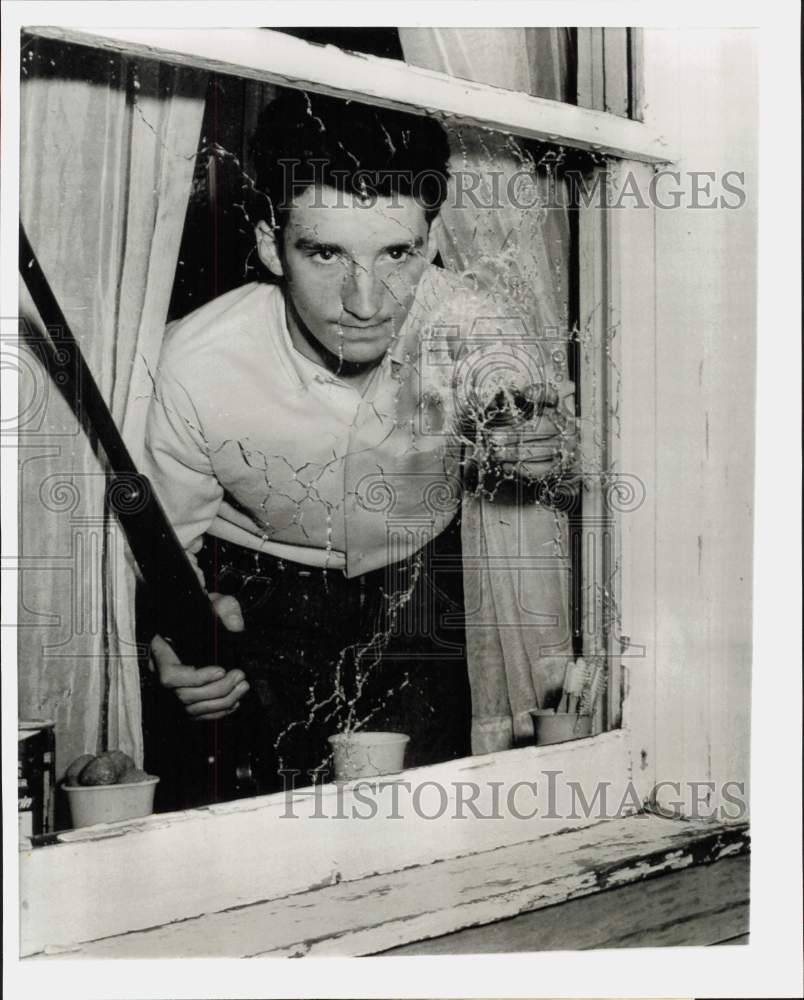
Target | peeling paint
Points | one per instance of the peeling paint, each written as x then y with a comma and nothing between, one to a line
374,914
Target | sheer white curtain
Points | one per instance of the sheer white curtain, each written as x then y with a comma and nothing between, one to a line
517,566
584,66
106,160
531,60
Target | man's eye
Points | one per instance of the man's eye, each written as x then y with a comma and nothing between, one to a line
324,256
400,253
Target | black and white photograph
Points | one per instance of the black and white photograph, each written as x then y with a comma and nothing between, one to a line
392,424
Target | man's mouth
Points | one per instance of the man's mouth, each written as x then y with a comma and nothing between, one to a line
363,326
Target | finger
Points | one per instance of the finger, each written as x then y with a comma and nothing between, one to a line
517,453
524,471
510,446
218,704
539,471
176,675
503,439
535,470
228,610
541,394
209,692
163,652
173,673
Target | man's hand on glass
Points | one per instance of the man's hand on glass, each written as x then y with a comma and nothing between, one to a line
208,692
543,446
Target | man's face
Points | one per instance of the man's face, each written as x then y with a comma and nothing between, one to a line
351,268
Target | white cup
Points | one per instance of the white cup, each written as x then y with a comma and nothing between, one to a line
367,754
90,804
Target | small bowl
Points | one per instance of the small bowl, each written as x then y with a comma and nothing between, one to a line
90,804
559,727
367,754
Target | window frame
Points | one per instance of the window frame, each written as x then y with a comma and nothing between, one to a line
622,756
272,57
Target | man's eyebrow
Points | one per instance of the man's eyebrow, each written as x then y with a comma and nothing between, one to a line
316,246
416,244
305,243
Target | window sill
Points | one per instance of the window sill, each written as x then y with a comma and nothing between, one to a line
381,912
277,863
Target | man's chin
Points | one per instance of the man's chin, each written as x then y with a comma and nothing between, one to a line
364,357
361,352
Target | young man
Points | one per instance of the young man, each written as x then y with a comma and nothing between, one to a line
309,438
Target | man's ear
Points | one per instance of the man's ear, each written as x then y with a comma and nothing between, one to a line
267,249
433,238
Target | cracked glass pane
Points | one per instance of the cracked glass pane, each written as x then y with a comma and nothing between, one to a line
345,468
379,421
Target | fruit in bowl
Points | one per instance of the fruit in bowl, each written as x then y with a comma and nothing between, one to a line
107,787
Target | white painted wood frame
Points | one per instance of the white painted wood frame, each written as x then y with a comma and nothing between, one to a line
240,853
387,910
272,57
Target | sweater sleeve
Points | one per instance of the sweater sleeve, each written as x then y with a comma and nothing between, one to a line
178,465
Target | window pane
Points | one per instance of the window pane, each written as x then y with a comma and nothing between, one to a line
420,512
508,241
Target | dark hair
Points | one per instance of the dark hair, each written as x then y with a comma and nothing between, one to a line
303,139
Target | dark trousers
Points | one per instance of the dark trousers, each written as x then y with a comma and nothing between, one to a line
323,653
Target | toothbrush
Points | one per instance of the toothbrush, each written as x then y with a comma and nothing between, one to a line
593,691
575,684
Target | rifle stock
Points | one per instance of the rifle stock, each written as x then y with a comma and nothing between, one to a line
201,761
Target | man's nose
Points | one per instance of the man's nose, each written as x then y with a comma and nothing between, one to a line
362,292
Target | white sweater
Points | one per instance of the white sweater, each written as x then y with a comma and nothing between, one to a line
254,443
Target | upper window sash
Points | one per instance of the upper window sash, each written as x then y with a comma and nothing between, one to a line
273,57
